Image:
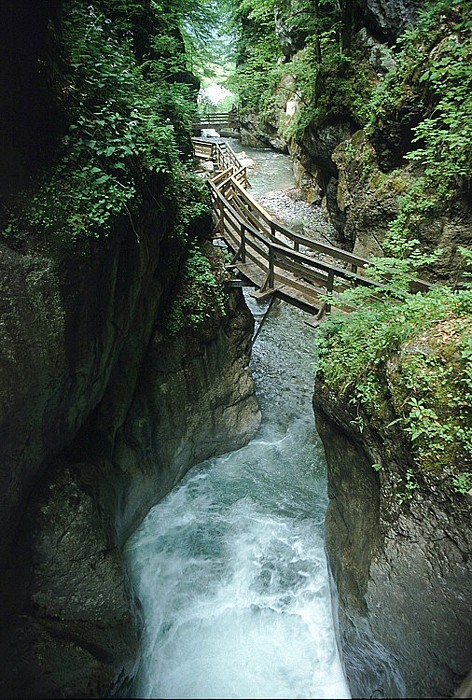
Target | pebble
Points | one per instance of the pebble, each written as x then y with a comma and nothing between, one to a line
309,220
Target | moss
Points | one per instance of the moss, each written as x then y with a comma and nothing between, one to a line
409,362
201,295
432,383
395,182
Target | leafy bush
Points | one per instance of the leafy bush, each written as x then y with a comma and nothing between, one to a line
414,355
201,293
123,129
433,69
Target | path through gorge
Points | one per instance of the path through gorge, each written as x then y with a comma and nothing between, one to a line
230,568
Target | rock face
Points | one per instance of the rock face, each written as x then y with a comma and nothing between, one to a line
291,37
362,179
252,133
367,200
389,18
400,560
100,417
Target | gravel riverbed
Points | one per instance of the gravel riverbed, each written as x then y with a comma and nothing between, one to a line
287,207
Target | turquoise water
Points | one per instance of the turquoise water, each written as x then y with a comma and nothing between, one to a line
230,568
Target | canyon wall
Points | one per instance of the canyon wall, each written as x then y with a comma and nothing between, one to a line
102,415
102,409
349,149
399,550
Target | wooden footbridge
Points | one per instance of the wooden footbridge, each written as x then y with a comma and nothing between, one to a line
270,257
223,122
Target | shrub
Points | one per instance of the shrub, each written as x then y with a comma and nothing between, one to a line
414,355
202,291
124,130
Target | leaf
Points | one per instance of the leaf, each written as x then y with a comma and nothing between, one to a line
102,179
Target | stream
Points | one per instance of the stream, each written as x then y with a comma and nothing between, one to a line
230,567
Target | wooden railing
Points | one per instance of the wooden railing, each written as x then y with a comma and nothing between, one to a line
274,258
224,158
217,120
259,242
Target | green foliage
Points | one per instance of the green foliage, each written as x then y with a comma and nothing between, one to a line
194,205
331,77
258,53
463,483
201,293
433,70
129,123
414,354
408,486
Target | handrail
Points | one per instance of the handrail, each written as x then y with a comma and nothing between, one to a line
296,239
229,119
277,254
256,238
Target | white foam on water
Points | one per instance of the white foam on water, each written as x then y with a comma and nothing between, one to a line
236,599
230,568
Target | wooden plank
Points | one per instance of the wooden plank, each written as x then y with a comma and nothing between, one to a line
299,278
248,216
339,271
337,253
264,294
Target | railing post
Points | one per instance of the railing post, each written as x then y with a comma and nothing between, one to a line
271,277
222,218
243,243
329,288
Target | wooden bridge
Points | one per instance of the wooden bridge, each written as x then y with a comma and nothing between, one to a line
223,122
270,257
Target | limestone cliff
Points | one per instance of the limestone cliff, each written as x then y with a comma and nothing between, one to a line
374,129
399,552
101,416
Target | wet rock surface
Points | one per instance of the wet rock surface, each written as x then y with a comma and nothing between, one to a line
73,623
95,405
401,565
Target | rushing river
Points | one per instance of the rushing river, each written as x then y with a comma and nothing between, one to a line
230,567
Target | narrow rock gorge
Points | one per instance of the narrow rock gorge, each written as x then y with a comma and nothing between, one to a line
398,537
125,353
103,408
71,622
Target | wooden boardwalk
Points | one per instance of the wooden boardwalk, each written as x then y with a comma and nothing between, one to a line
223,122
270,257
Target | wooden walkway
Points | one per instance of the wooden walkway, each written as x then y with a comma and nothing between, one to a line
223,122
270,257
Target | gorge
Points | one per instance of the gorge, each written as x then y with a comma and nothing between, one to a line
124,355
